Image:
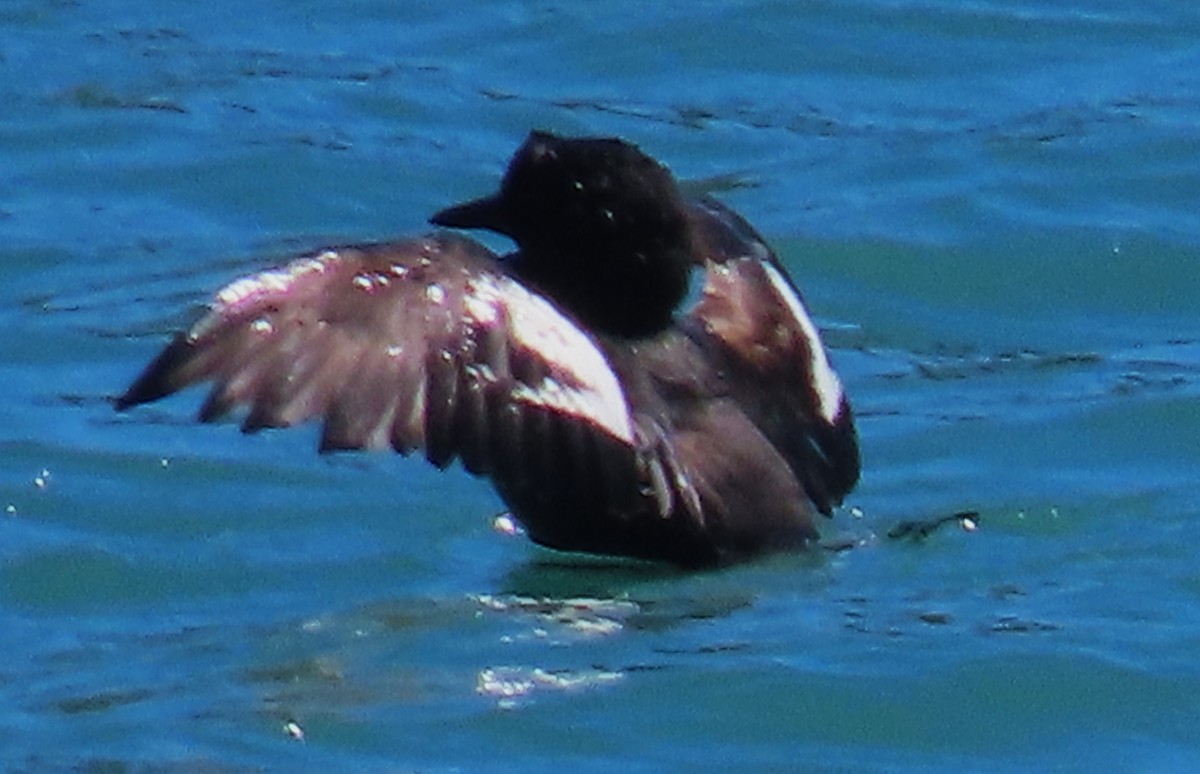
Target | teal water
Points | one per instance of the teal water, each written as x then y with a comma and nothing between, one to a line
990,205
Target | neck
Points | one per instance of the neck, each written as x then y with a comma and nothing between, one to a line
630,295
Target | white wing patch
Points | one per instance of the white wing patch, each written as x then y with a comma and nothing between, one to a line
591,392
826,383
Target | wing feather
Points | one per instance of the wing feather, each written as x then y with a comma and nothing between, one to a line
419,344
779,370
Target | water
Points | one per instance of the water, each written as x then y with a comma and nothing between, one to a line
990,205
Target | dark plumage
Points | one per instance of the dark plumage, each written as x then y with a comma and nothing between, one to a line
608,422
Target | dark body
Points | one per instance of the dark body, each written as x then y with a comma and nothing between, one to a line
609,421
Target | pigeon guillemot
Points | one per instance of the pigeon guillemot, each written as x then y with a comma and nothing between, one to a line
609,421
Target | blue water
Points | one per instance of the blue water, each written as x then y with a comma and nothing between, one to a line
990,205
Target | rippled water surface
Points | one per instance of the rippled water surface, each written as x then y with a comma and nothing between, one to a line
990,205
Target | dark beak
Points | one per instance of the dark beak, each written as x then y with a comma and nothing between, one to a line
487,212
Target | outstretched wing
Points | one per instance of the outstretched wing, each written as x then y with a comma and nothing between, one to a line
778,367
417,344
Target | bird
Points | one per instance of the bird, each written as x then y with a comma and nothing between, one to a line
640,377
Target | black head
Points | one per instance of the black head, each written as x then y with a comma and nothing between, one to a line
601,227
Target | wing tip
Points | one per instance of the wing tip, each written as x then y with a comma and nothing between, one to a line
158,379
